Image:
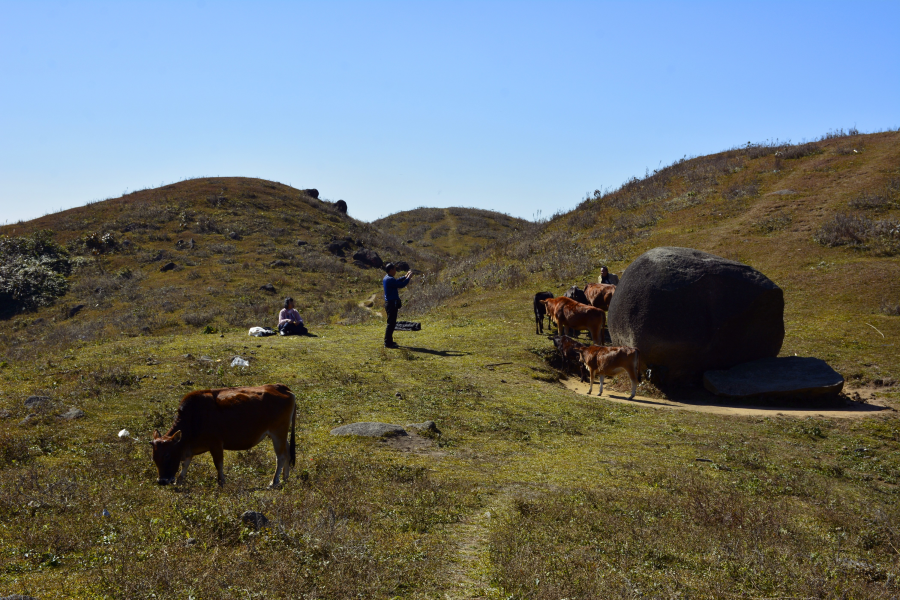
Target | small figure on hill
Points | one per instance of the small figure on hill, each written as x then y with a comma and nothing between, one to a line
289,321
392,300
607,277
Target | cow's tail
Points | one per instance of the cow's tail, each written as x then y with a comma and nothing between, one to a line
293,445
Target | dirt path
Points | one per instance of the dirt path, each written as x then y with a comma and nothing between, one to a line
469,572
369,303
851,410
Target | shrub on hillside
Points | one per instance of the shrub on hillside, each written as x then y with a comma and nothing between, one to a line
33,272
857,231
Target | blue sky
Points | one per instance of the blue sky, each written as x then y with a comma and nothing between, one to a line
512,106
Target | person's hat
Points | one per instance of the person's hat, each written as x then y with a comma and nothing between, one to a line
387,268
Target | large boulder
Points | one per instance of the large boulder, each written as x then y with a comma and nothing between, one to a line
786,377
368,258
689,312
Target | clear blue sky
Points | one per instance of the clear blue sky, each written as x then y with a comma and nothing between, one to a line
510,106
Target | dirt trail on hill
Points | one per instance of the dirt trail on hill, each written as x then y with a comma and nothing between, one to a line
369,304
851,410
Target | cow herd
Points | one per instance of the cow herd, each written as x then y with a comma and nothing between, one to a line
586,309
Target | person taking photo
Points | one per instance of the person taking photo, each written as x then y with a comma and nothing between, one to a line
392,300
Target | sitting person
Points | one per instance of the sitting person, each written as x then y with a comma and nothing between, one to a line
607,277
289,321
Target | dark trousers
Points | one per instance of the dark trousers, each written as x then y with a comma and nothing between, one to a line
391,309
289,328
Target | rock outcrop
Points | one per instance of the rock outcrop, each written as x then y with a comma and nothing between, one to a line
787,378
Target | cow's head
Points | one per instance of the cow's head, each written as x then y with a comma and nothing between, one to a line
167,454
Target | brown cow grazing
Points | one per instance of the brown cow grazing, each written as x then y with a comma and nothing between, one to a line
607,361
227,419
568,350
569,313
599,295
540,311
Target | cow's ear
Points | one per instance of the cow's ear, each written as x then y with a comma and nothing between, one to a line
156,435
176,436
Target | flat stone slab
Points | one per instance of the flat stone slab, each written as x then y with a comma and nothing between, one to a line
786,377
369,430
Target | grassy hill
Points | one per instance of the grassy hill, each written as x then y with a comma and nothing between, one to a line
226,237
822,220
455,231
530,491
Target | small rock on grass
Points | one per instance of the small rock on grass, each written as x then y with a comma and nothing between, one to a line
426,428
29,420
257,520
4,414
369,430
18,597
72,414
36,402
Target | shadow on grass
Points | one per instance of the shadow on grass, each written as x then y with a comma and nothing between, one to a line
444,353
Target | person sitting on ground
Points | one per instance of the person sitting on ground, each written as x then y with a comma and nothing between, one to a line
392,301
607,277
289,321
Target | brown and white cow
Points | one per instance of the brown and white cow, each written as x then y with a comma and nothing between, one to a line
607,361
227,419
568,313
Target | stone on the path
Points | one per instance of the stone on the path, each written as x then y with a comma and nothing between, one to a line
787,377
37,402
72,414
369,430
257,520
689,312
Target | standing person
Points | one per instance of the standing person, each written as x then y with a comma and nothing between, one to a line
289,321
392,300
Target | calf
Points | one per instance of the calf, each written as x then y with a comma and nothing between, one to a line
227,419
569,313
576,294
540,311
607,361
599,295
568,350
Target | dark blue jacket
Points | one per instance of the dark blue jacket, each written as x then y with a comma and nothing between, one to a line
391,285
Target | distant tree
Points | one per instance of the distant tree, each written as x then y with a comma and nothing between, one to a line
33,272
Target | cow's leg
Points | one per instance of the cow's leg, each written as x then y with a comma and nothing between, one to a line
282,461
218,456
633,387
591,377
600,393
184,467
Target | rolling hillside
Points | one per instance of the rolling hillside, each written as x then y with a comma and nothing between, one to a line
454,231
821,219
222,239
528,490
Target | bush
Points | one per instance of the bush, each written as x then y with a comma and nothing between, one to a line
33,272
858,231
